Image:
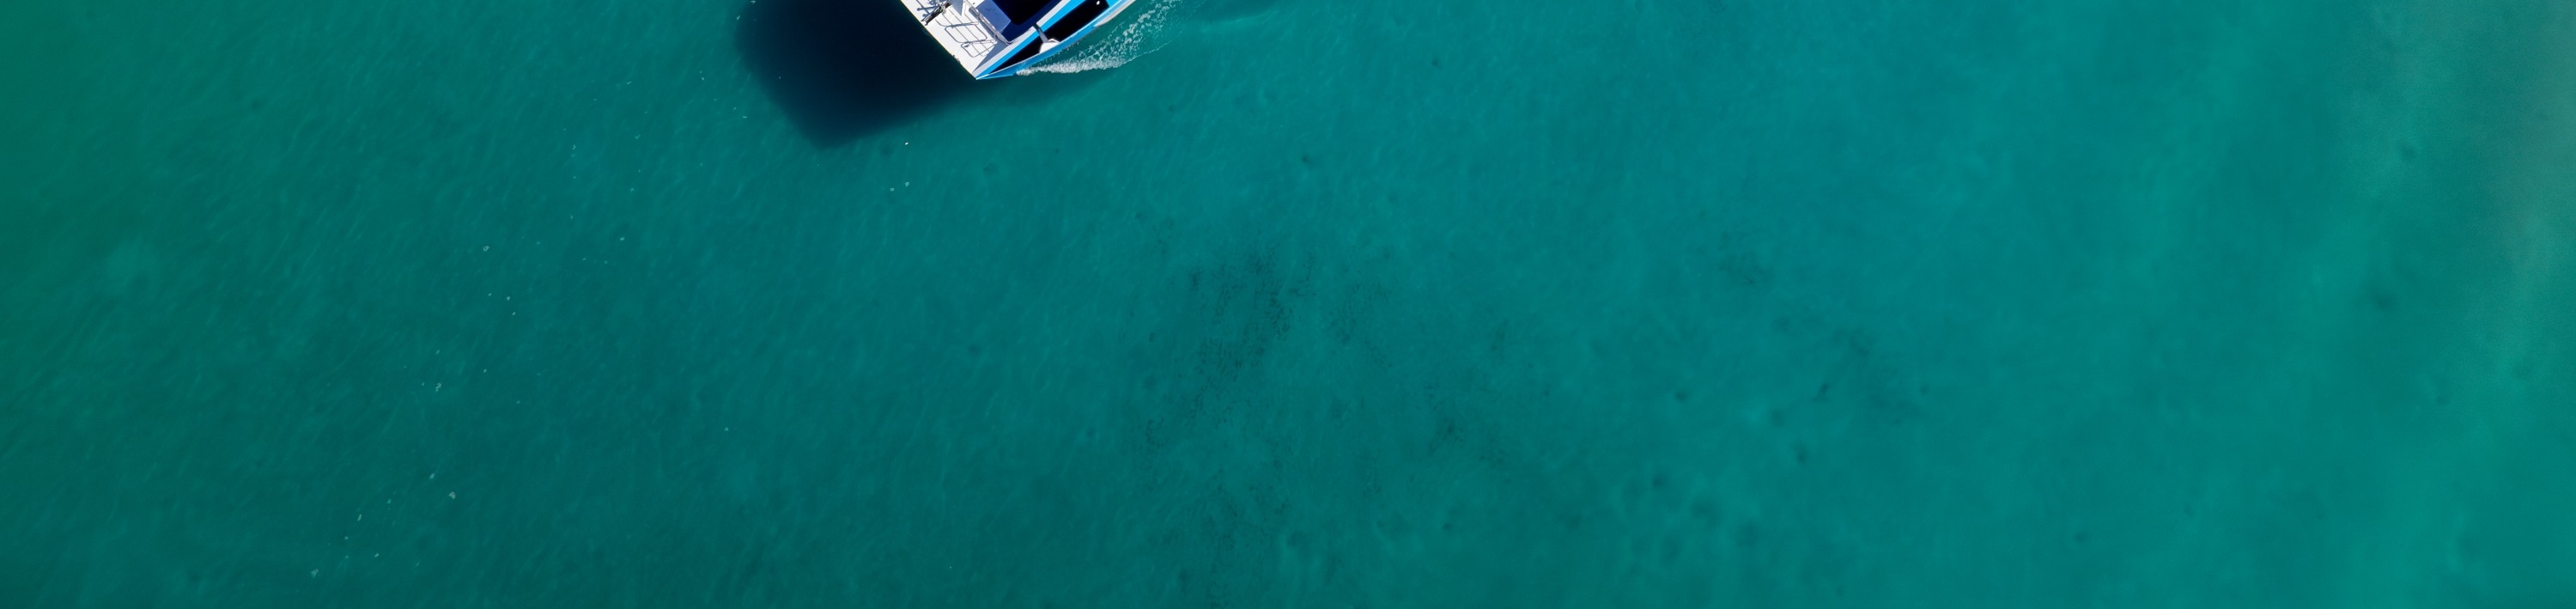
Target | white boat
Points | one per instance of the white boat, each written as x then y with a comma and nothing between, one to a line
997,38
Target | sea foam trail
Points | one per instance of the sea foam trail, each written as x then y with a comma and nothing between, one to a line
1136,32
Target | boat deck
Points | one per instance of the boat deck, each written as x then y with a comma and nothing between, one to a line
965,34
997,38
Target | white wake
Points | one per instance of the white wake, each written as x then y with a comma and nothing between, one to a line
1135,32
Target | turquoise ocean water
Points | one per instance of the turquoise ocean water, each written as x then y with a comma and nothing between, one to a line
1320,303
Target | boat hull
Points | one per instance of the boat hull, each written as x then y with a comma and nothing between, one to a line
998,38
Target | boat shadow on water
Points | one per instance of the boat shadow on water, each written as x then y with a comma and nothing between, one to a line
844,69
